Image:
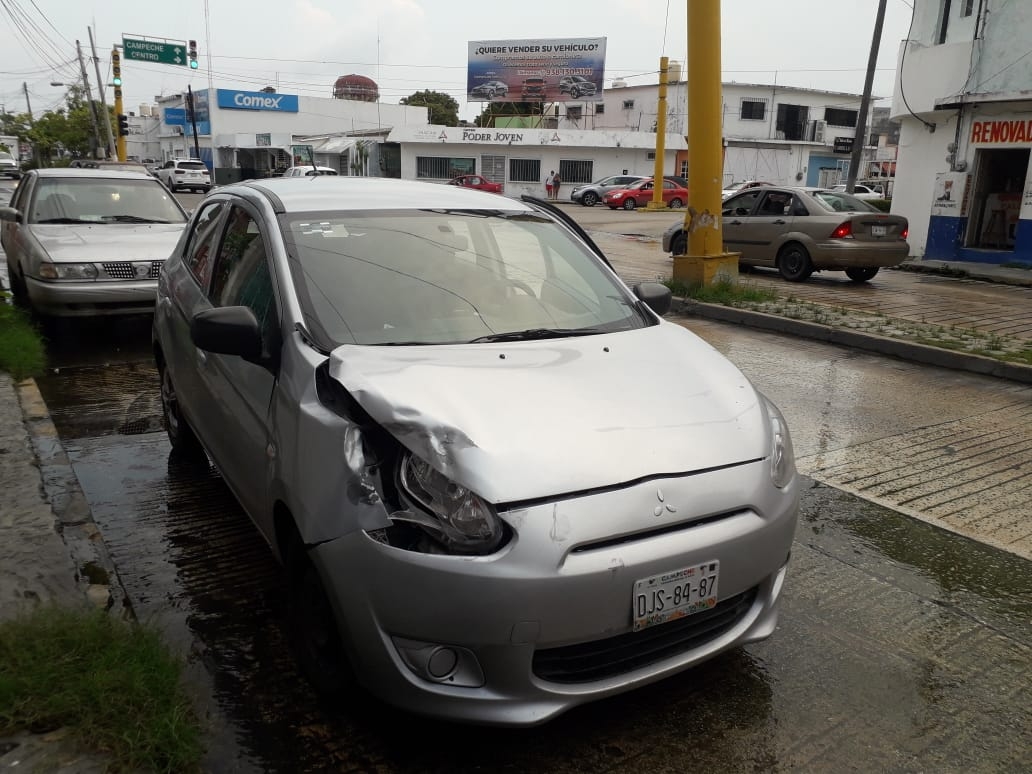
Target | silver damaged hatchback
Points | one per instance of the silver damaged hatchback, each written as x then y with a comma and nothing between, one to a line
501,484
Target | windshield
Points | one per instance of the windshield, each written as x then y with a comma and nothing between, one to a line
840,201
103,200
420,277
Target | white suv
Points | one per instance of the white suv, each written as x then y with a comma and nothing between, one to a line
9,165
181,174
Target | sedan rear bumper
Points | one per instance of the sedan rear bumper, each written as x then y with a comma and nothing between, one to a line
854,253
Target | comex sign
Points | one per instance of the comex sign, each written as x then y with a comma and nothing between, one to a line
257,100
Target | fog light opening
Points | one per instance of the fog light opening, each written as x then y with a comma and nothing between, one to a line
442,663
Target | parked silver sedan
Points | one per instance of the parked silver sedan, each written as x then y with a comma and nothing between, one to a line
502,485
88,241
802,230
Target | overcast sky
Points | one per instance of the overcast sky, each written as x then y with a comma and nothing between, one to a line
301,46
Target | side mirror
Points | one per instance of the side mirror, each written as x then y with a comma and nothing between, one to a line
655,296
10,215
228,330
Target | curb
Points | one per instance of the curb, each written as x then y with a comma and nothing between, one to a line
904,350
95,571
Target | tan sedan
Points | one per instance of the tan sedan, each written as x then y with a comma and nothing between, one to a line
802,230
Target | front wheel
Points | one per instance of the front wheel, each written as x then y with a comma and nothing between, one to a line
180,434
590,199
676,204
679,245
794,263
630,204
862,274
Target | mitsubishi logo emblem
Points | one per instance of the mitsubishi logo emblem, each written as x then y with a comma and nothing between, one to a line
663,505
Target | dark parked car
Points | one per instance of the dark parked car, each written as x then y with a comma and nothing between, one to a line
576,86
802,230
489,90
431,403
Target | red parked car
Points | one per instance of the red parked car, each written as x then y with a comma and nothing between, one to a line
639,194
476,181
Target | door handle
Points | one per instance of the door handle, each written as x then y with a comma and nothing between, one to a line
780,222
735,223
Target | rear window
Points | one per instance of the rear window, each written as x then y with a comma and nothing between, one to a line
192,165
839,201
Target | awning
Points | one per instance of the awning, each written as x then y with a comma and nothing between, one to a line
329,145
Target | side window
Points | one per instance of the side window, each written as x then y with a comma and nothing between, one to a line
741,205
23,192
242,275
798,208
774,203
200,249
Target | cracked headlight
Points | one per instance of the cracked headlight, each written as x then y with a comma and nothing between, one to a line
782,455
454,515
68,271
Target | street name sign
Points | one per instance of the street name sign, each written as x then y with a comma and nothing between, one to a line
173,53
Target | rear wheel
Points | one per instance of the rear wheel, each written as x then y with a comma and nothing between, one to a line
862,274
629,204
590,199
794,263
180,434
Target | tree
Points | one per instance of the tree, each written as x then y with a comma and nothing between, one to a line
444,110
497,110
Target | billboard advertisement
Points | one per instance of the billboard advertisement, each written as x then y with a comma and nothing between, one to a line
539,70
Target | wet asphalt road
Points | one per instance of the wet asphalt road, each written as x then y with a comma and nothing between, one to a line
901,647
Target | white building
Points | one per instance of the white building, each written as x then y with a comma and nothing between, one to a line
522,158
143,141
253,133
780,134
963,96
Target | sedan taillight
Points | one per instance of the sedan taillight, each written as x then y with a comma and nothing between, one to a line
903,233
844,230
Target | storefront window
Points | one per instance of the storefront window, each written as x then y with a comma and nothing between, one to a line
443,167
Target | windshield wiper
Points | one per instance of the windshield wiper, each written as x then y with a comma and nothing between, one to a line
538,333
133,219
64,220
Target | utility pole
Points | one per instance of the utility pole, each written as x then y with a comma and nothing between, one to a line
32,123
704,261
865,103
657,202
89,97
193,121
103,104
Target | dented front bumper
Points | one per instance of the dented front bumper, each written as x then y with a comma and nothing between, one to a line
466,637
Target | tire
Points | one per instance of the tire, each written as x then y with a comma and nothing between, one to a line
313,633
676,204
794,263
630,204
862,274
679,244
182,437
590,199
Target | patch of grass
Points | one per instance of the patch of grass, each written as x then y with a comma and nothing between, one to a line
21,347
114,685
1016,265
724,291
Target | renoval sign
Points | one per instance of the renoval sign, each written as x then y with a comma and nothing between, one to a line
256,100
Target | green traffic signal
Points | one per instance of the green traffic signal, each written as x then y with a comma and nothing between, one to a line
116,81
193,64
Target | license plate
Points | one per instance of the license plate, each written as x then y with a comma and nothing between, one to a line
878,230
674,594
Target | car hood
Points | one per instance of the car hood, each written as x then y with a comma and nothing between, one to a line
526,420
74,242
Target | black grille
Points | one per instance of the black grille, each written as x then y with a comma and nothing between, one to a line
618,655
124,270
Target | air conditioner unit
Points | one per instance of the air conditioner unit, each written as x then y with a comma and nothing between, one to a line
819,129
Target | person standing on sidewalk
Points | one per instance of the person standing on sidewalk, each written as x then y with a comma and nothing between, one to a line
548,183
556,182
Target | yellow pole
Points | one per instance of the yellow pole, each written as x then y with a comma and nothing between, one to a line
705,261
661,111
116,61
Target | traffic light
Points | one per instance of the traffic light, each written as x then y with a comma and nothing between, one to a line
116,68
123,125
192,53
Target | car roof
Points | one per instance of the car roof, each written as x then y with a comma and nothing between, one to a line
330,192
113,174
